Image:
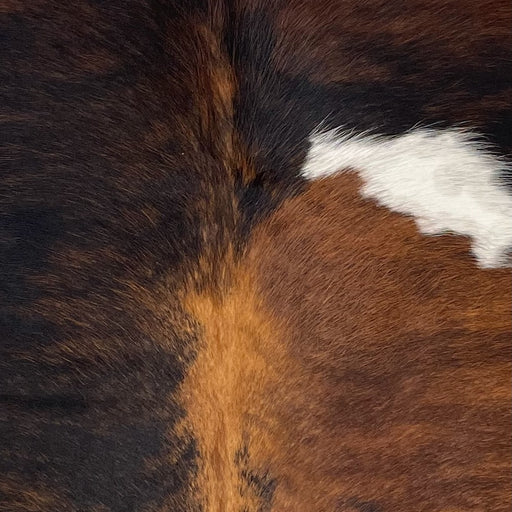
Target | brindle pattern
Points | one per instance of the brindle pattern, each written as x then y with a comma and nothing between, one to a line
143,142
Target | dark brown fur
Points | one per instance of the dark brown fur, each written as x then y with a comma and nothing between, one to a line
185,324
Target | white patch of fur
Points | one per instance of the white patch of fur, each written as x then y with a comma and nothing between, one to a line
445,179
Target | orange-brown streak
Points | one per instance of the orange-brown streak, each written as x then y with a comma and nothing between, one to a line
361,364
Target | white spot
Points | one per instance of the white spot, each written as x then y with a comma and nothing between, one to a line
445,179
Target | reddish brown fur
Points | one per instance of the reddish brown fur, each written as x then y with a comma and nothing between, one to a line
370,370
405,353
178,338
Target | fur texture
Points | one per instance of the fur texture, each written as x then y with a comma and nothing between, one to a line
188,323
447,180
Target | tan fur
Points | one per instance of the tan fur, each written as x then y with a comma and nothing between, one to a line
226,392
